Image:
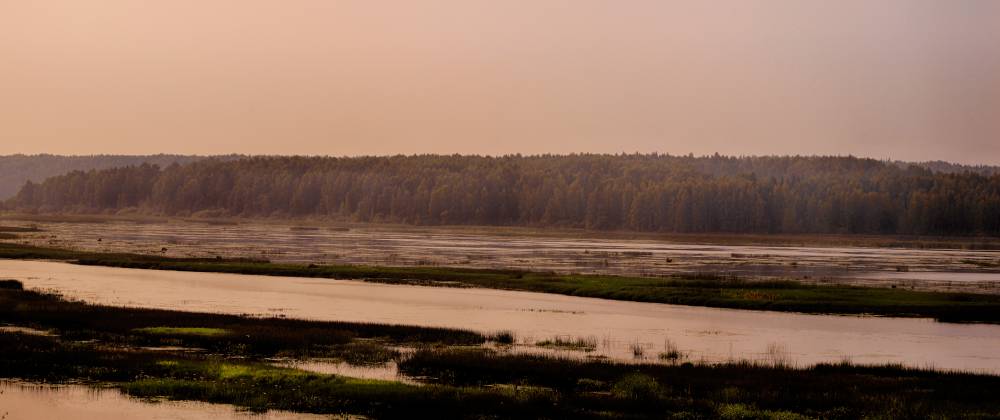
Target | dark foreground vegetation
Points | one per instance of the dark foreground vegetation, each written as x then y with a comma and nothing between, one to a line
648,193
692,290
224,359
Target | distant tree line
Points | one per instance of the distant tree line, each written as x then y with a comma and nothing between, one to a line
953,168
15,170
656,193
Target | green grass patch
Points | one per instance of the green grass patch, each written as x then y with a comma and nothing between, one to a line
201,331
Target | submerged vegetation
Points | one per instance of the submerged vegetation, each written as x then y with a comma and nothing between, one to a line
693,289
226,359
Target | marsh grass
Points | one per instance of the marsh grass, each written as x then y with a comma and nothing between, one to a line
777,355
837,390
466,382
638,350
671,352
182,331
586,344
218,333
365,353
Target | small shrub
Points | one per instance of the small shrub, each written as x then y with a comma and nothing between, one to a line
590,385
636,386
503,337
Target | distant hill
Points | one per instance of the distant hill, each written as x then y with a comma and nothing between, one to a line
659,193
15,170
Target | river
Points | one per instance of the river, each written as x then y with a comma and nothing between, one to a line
25,400
704,334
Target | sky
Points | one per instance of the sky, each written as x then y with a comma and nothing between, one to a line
890,79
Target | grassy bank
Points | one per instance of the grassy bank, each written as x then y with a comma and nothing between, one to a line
693,290
109,346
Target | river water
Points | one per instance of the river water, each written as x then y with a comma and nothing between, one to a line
702,333
30,401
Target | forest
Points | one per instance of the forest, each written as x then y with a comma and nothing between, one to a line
637,192
15,170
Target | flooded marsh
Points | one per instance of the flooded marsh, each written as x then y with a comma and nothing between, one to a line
976,271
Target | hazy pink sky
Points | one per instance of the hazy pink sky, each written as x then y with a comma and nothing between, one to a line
900,79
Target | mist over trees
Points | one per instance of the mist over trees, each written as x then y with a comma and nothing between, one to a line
656,193
15,170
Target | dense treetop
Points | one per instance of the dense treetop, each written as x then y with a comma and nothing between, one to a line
633,192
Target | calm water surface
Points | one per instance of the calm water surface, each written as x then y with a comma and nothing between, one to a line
28,401
703,333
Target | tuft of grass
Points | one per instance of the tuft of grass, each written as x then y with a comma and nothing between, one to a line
638,351
777,355
586,344
671,352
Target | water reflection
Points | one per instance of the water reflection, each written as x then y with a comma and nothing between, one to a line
24,401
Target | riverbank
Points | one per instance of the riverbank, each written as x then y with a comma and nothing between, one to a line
693,290
225,359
